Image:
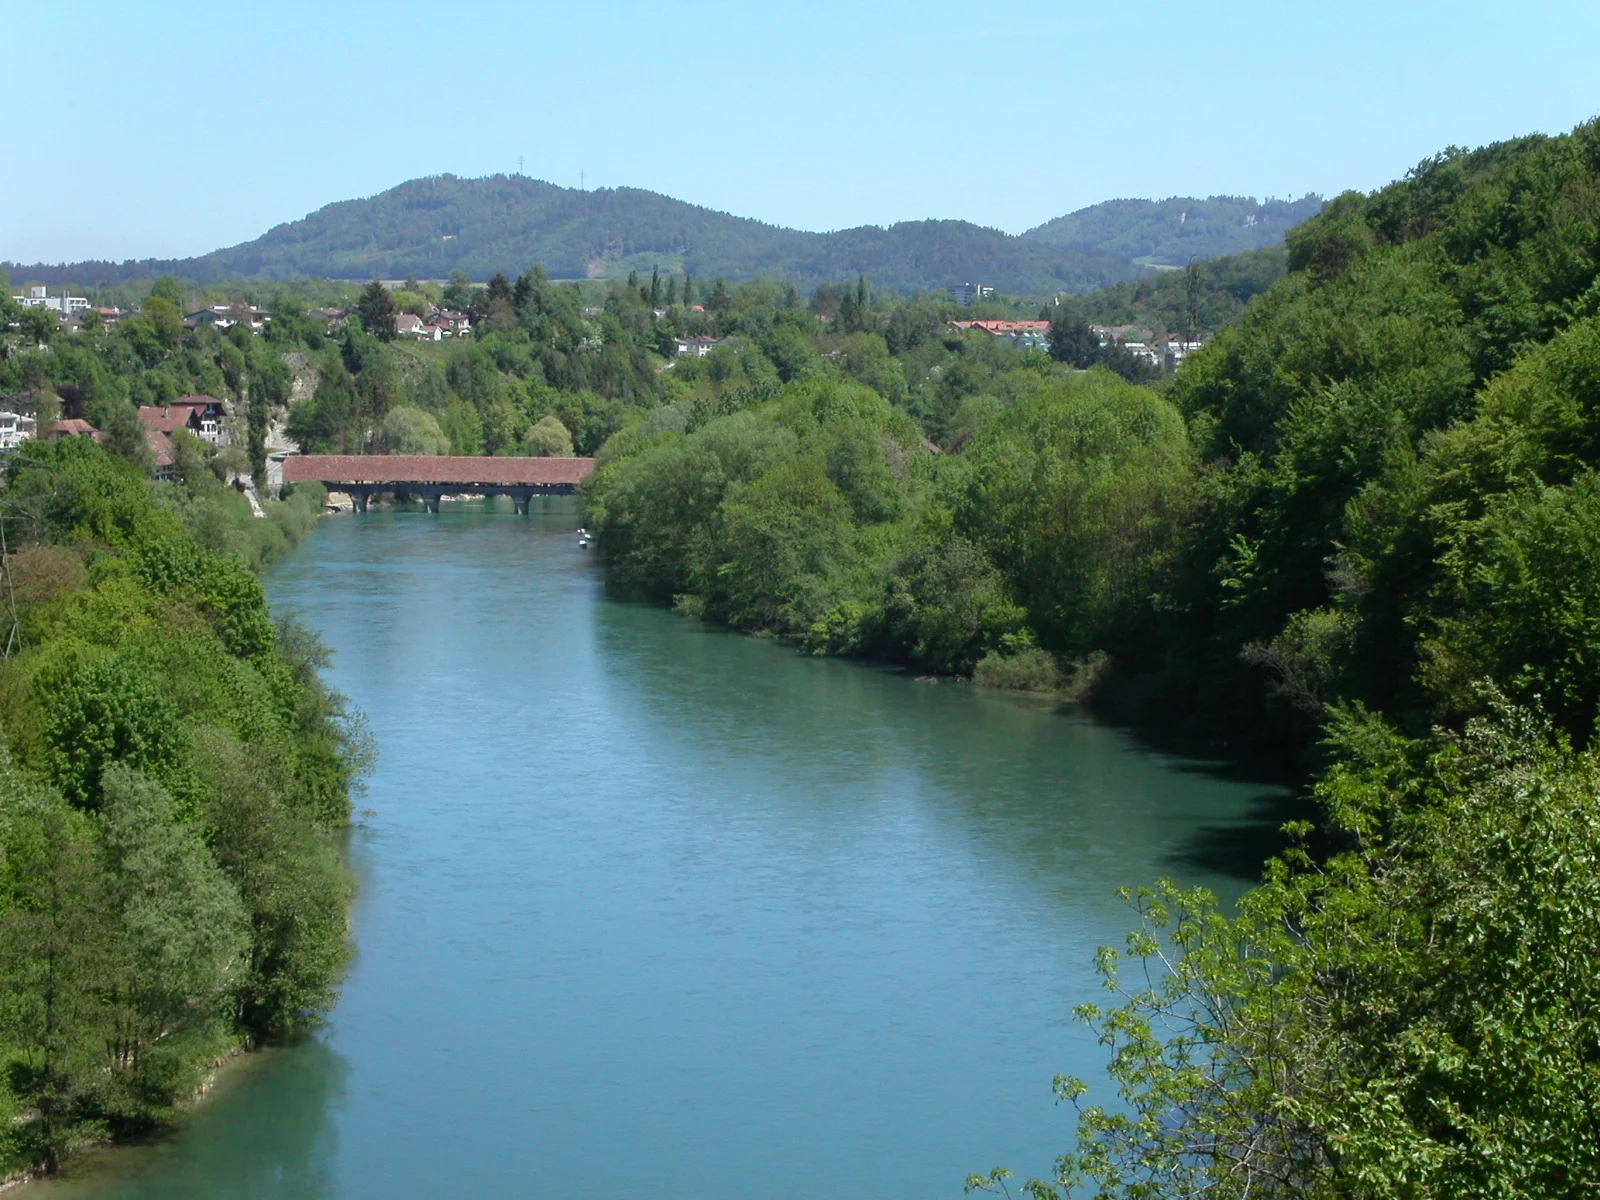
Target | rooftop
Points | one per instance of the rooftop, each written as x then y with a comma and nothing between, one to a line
434,469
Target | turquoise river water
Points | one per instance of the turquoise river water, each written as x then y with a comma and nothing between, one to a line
651,911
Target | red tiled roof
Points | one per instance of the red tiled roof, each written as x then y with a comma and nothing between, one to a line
434,468
73,427
161,446
996,328
165,420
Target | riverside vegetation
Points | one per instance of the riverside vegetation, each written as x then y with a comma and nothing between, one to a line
1360,522
1364,519
173,775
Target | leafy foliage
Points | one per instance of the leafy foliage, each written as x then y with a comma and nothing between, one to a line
820,515
1413,1016
172,774
1395,534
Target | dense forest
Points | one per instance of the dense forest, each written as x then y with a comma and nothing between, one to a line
1174,232
173,777
1361,521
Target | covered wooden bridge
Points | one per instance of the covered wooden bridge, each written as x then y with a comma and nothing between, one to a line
430,476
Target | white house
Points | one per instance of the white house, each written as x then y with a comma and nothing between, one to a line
15,428
453,323
226,316
697,347
39,297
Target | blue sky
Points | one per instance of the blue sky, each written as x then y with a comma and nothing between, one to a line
158,129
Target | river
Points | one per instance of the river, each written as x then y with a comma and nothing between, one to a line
653,911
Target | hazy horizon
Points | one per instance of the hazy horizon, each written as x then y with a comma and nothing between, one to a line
831,119
1263,200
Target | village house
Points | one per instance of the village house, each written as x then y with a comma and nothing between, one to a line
71,427
225,316
200,415
407,325
1174,352
39,297
1030,335
696,347
1120,335
15,428
455,324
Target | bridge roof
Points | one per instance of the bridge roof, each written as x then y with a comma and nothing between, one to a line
436,469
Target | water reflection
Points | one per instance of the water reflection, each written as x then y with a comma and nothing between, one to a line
264,1135
1035,780
654,910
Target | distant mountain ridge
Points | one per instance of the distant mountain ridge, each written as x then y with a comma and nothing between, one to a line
1173,231
433,226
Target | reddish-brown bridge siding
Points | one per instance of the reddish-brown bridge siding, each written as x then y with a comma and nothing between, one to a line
433,475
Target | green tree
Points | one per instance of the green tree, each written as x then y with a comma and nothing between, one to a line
294,890
182,938
375,310
38,325
107,713
409,430
458,293
167,288
463,426
55,959
547,437
1071,340
1390,1022
165,319
127,438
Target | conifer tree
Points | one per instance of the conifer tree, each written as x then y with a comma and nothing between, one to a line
375,310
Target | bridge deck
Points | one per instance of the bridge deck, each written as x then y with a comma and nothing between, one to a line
400,471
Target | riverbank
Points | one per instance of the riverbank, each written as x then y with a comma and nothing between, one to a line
174,776
99,1164
652,908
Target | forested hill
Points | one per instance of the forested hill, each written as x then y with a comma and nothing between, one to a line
431,227
1173,231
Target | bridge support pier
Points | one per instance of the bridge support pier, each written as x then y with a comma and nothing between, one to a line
431,477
